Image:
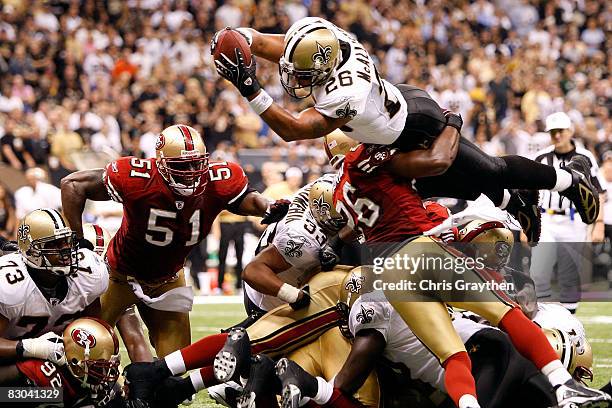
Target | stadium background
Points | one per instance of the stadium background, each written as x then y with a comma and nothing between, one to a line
82,82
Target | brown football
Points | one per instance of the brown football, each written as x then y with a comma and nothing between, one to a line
228,40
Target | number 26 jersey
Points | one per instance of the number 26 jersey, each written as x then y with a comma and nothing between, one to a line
160,227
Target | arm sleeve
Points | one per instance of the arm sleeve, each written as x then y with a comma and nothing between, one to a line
297,247
231,183
344,102
114,177
370,315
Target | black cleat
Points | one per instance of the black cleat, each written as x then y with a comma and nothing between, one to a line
234,360
582,192
524,206
143,378
296,383
572,394
262,381
225,394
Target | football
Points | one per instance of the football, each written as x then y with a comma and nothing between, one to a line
227,41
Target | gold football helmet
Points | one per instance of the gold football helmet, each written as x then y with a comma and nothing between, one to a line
92,353
98,236
337,145
309,58
321,202
182,159
489,240
578,364
46,242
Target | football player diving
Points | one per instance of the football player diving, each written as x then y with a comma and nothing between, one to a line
318,59
169,204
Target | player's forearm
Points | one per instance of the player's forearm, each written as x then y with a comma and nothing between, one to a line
431,162
262,278
367,347
254,204
76,189
267,46
288,127
8,350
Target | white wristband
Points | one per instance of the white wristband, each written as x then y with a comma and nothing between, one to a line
288,293
261,102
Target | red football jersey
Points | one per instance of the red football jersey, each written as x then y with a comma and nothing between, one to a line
384,207
159,226
41,373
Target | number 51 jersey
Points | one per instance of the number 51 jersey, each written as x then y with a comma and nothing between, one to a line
159,227
29,313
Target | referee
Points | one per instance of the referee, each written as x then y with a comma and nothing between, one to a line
563,233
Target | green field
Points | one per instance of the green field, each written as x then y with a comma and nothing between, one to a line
597,319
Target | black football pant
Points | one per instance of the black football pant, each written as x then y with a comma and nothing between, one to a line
473,172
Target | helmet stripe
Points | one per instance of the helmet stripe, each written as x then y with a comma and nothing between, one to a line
187,137
54,217
99,235
299,37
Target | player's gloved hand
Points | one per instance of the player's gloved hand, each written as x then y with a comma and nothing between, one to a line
238,73
302,301
276,211
7,247
83,243
328,258
49,346
454,120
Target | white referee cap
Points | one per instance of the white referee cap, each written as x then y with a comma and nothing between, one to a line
558,120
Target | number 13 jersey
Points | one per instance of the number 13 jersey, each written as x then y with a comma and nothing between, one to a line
355,90
159,227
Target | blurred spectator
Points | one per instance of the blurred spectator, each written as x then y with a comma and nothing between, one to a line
233,229
8,219
36,194
285,189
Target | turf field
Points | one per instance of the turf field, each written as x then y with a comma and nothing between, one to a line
597,318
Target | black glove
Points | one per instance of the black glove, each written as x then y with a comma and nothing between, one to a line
242,76
136,403
83,243
276,211
304,301
6,246
454,120
328,258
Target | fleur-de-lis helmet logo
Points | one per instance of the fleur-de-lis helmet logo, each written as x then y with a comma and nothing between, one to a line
23,232
321,207
322,55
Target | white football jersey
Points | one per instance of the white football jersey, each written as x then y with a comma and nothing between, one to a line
355,90
372,311
298,238
30,314
555,316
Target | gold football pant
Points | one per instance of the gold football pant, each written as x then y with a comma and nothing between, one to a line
283,329
424,310
168,331
325,356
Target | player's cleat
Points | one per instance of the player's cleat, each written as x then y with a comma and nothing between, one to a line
582,191
296,383
225,394
572,394
524,206
262,380
234,359
143,378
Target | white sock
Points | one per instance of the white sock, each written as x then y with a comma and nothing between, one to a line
468,401
556,373
175,362
324,392
564,180
196,380
505,200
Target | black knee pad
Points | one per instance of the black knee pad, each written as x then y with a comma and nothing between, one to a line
425,120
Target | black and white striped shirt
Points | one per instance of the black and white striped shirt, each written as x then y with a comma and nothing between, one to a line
552,200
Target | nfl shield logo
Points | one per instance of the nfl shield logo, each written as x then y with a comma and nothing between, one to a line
179,205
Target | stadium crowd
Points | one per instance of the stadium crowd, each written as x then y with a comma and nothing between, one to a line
108,76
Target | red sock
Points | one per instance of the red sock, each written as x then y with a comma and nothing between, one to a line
339,400
458,377
528,338
202,352
208,376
